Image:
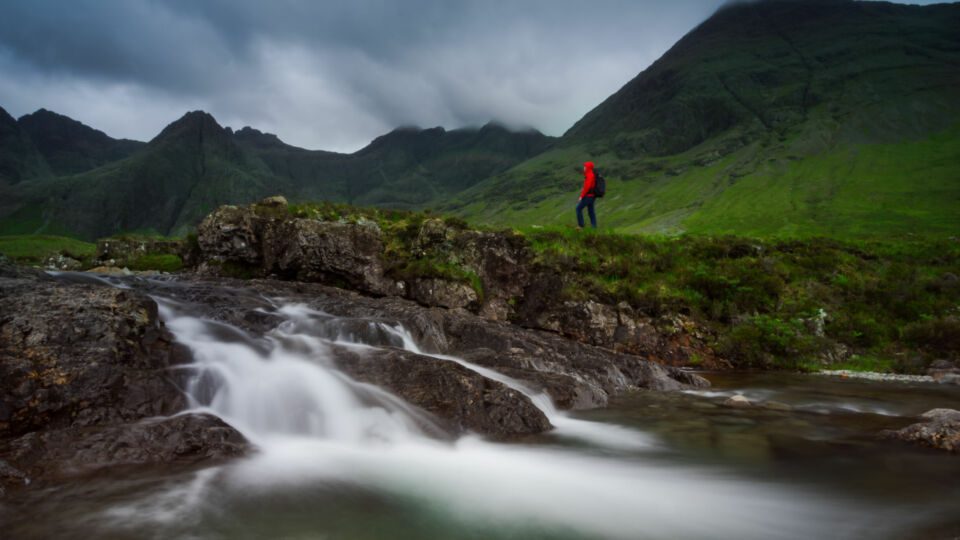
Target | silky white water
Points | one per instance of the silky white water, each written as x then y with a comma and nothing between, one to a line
315,427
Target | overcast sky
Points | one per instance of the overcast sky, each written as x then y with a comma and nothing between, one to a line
330,75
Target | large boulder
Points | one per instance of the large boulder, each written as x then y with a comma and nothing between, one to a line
180,440
940,429
231,234
263,240
464,399
77,354
81,364
344,254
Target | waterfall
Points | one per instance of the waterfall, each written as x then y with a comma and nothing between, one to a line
314,425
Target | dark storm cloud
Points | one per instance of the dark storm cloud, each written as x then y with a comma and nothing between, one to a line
329,74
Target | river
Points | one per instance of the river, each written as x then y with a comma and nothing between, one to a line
337,458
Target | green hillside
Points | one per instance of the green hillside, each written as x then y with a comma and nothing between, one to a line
783,117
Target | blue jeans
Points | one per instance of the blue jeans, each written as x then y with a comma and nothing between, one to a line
588,203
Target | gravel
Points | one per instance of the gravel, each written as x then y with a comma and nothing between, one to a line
874,376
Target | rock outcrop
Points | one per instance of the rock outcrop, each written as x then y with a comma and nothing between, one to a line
464,399
81,364
940,429
263,240
60,453
496,275
576,375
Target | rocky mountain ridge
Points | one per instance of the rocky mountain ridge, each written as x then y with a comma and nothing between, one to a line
65,178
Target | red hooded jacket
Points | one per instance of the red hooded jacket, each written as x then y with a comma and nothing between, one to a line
589,180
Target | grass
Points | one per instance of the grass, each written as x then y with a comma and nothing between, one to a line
762,298
35,249
862,363
158,262
849,191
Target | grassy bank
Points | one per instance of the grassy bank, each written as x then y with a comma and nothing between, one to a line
808,303
891,306
35,249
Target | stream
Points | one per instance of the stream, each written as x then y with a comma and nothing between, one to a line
337,458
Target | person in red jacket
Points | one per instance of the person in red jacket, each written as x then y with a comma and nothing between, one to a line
587,196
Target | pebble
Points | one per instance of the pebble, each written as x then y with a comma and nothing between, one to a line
874,376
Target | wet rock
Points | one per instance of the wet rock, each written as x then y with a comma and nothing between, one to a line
77,354
80,365
738,401
469,401
10,270
11,478
944,372
575,375
180,440
940,429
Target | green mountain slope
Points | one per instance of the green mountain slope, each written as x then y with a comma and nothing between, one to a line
783,117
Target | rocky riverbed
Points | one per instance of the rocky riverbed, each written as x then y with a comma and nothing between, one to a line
90,373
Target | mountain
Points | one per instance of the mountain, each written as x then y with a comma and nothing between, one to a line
784,117
19,157
194,165
191,167
70,147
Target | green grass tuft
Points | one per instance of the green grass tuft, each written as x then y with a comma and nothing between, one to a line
34,249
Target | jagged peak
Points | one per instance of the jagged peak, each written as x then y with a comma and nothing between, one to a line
190,122
260,139
5,117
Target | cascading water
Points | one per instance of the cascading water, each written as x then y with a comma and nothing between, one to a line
314,426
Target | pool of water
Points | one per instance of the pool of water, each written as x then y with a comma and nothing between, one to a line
815,469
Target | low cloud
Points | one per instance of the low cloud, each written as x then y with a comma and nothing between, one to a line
329,76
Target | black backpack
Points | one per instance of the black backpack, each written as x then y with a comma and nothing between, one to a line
600,184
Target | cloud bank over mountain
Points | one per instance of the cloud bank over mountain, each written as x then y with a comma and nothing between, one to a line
326,75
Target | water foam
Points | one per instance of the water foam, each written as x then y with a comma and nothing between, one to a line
314,425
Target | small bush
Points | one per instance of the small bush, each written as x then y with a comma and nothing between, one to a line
766,342
160,263
941,334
